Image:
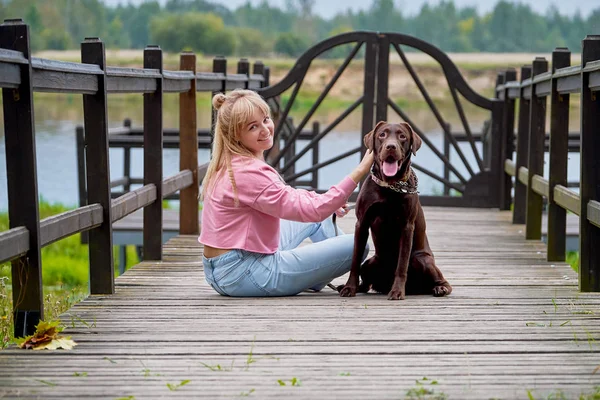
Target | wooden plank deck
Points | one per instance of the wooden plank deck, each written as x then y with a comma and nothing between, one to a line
513,325
129,229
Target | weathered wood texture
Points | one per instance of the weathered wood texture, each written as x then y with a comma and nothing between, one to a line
522,151
21,179
514,323
95,111
537,129
188,151
558,159
153,157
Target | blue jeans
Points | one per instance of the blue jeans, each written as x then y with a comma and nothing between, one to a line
288,271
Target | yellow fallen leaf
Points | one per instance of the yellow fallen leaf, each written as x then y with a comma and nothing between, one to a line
59,343
46,337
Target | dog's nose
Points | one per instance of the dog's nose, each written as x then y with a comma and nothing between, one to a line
390,146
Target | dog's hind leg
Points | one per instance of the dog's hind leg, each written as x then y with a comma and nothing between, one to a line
424,277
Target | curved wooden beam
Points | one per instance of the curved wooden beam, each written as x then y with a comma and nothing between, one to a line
302,64
447,65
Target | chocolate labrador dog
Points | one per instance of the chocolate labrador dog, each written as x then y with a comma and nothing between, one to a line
388,204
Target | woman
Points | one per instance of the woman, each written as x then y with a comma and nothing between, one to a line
253,223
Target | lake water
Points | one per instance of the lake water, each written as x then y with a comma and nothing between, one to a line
56,120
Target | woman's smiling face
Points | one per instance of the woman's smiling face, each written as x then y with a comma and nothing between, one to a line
257,133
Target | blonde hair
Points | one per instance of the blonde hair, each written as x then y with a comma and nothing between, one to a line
233,110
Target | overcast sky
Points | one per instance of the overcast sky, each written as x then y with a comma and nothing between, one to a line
328,8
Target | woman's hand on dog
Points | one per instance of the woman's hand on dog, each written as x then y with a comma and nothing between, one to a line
364,167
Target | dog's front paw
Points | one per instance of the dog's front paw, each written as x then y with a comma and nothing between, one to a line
440,291
348,291
396,294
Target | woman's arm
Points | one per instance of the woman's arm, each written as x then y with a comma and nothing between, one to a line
363,168
283,201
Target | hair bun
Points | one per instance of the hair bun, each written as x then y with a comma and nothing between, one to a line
218,100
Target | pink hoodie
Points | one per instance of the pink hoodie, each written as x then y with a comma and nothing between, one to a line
263,199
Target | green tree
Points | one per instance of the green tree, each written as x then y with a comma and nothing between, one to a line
342,51
207,33
137,22
36,26
194,31
510,26
290,44
55,39
116,36
251,42
269,20
384,17
165,31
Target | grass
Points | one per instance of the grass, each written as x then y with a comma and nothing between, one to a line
425,389
65,274
56,301
558,394
573,260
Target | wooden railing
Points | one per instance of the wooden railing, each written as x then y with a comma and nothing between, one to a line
573,147
130,137
20,76
536,85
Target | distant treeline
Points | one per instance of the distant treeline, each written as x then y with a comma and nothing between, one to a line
211,28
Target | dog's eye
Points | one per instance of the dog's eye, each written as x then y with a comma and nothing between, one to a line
382,134
402,137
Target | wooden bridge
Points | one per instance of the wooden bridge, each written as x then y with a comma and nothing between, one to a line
519,323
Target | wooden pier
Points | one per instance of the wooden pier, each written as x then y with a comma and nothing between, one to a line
520,323
515,324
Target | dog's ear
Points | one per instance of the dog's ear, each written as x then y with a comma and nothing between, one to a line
368,139
416,145
416,139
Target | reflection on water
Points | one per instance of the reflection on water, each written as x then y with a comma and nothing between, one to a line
57,116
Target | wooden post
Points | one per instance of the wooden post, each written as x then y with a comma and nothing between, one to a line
21,171
81,184
499,81
559,153
95,119
258,68
508,145
127,160
290,153
520,205
383,72
537,137
81,174
497,139
153,163
188,150
589,235
219,65
368,92
267,75
315,156
243,67
447,155
126,188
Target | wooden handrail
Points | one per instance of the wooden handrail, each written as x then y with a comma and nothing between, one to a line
23,75
132,201
14,243
558,84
